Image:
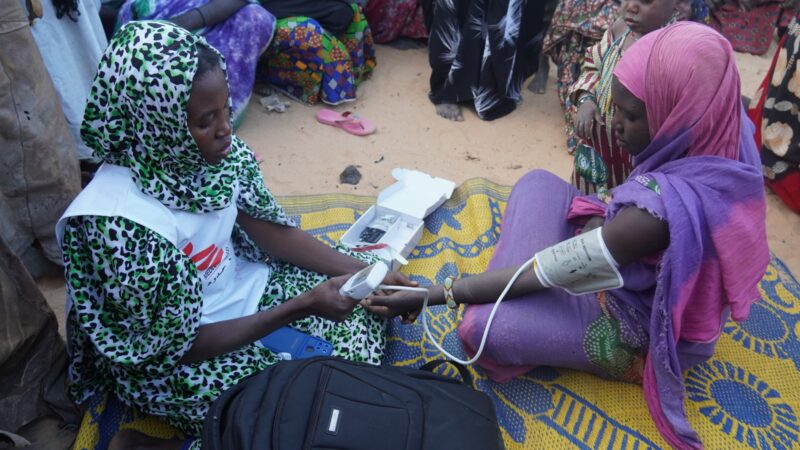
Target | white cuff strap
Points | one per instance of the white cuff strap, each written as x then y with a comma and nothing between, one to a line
580,265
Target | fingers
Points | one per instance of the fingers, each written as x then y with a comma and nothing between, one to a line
399,279
382,311
580,128
377,300
587,126
411,317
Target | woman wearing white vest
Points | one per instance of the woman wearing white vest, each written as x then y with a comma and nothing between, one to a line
177,256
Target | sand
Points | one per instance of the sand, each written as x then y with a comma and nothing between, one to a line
305,157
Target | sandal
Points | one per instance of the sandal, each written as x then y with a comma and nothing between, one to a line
346,121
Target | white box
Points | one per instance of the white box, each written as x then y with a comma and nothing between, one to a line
411,199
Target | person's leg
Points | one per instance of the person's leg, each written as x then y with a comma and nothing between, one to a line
535,218
539,83
443,46
550,327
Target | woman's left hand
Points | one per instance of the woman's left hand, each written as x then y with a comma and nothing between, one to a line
405,304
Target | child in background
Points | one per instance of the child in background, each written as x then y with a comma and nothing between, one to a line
599,163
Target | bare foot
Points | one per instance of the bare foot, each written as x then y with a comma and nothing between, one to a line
134,440
539,83
450,111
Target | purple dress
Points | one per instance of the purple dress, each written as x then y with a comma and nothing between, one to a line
241,38
603,334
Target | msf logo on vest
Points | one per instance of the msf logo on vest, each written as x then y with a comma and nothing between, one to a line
205,259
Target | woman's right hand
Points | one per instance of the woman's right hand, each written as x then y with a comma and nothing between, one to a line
584,120
324,300
406,304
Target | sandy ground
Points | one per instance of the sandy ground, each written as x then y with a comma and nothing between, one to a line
305,157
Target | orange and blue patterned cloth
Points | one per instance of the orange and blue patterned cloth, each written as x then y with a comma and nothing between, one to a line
745,397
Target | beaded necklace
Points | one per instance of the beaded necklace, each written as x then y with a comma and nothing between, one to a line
608,63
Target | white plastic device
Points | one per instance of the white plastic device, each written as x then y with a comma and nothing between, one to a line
363,283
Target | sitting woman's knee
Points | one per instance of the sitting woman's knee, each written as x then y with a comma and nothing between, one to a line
537,178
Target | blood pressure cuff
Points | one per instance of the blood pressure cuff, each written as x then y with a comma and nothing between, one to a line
580,265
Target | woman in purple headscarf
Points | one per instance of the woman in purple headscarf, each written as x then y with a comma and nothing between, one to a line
681,244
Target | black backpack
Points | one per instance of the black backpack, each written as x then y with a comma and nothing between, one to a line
331,403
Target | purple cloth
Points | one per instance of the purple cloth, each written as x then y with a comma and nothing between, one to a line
241,39
553,319
546,327
702,168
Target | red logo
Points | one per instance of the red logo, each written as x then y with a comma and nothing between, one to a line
206,258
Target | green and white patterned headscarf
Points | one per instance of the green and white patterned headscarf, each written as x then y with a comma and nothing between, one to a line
136,117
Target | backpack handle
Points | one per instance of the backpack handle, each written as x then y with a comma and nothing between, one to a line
466,377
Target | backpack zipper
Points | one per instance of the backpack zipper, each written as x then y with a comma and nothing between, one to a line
318,398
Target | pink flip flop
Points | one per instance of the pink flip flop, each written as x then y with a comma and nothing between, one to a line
346,121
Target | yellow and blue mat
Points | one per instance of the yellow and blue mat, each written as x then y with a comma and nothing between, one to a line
746,396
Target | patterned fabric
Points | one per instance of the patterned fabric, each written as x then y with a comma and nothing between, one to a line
241,38
576,26
744,397
391,19
750,30
136,298
606,347
481,51
775,109
309,64
600,164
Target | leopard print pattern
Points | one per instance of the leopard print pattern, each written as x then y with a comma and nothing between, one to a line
136,117
136,300
136,306
362,337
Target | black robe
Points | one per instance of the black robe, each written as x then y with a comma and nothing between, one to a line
481,51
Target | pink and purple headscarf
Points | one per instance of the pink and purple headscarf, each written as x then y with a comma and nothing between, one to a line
705,163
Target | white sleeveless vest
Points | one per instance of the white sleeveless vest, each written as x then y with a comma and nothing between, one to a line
232,287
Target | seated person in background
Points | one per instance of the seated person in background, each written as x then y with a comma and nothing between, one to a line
682,245
177,257
750,24
322,51
240,30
